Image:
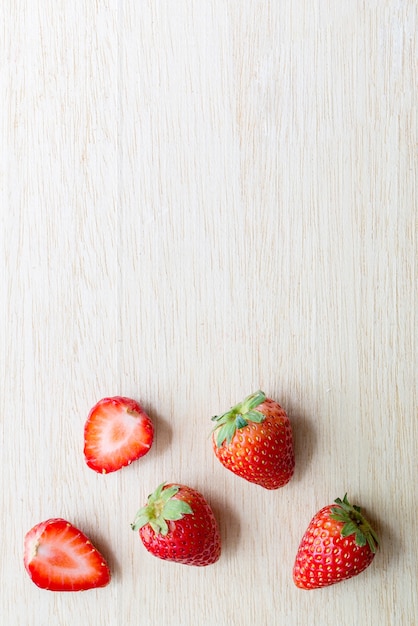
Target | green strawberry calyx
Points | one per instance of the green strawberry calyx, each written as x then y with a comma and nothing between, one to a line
354,523
238,417
161,507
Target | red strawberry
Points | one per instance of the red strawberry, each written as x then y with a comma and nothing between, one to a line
254,440
177,524
117,432
59,557
338,544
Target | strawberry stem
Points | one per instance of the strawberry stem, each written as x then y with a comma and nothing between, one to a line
354,523
238,417
250,402
161,507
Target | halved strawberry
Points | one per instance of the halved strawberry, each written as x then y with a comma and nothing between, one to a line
59,557
117,432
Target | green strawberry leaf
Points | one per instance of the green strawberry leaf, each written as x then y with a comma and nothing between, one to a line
159,526
240,422
350,528
354,523
255,416
175,509
372,541
161,507
141,519
157,493
251,402
361,539
226,432
168,493
238,417
220,419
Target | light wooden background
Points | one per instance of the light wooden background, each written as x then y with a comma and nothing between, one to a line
200,198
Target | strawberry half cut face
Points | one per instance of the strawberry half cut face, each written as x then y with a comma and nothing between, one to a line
117,432
59,557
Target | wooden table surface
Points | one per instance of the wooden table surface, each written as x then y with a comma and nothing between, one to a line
201,198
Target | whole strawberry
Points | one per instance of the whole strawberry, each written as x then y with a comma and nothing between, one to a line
338,544
254,440
177,524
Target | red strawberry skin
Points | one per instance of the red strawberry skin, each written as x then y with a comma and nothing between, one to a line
59,557
192,540
261,453
117,432
325,556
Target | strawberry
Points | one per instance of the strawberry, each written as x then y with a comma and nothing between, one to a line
117,432
254,440
338,544
59,557
177,524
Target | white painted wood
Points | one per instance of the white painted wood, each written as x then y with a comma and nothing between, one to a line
200,198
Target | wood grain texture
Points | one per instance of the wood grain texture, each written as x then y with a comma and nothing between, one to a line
200,198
